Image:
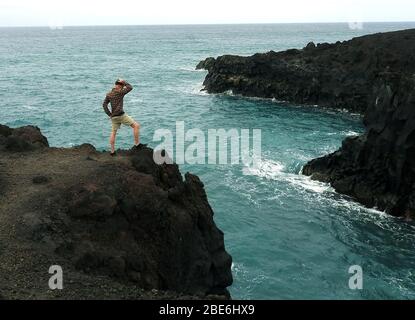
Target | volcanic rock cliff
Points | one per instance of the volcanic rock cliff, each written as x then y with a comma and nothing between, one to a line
339,75
120,227
373,75
378,167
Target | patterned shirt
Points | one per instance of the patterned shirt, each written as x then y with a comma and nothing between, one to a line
116,98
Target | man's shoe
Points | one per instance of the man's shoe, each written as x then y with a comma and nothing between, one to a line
139,146
113,154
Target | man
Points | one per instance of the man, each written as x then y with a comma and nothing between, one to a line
117,114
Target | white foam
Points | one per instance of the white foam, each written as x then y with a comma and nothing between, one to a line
308,184
191,69
198,89
241,272
273,170
350,133
193,89
355,206
265,169
321,192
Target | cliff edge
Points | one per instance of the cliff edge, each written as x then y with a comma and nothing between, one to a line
120,228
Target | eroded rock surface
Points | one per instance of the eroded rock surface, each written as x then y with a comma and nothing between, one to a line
120,227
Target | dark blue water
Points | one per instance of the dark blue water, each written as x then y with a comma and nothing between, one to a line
290,237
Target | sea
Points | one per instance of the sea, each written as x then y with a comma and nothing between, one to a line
290,237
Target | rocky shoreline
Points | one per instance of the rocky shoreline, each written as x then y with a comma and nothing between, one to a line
378,167
338,76
372,75
120,228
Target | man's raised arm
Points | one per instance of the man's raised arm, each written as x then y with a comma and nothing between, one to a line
127,87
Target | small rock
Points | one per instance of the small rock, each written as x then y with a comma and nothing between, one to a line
310,46
40,180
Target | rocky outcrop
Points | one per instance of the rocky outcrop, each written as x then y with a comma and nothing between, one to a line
21,139
120,227
339,75
378,168
372,75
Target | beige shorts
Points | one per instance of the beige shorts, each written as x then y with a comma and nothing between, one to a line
125,119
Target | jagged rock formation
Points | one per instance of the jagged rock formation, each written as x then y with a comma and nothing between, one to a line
120,227
372,75
339,75
378,168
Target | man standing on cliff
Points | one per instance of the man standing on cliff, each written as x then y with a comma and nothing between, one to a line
117,114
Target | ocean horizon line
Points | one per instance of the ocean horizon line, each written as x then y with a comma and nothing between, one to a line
207,24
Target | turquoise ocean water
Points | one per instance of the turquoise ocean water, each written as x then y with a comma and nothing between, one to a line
290,238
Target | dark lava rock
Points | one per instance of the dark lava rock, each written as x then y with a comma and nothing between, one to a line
372,75
5,131
138,233
206,64
337,75
378,168
21,139
40,180
310,46
127,219
85,147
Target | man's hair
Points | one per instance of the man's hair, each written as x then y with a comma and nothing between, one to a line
118,82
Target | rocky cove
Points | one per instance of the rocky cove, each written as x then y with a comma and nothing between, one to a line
372,75
120,228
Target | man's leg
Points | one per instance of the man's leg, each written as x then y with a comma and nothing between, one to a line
112,140
136,129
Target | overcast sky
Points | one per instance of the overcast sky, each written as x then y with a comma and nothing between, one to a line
133,12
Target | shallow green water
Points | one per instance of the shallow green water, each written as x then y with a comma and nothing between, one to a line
290,237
